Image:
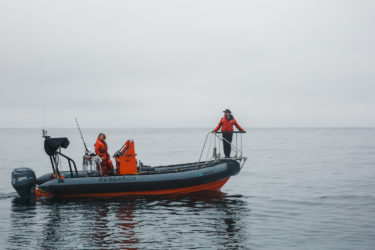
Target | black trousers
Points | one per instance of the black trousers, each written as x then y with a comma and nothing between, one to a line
227,142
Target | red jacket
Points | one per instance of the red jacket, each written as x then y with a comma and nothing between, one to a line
227,126
101,149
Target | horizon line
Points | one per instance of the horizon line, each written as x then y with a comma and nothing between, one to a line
255,127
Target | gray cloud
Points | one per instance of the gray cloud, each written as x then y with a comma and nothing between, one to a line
179,63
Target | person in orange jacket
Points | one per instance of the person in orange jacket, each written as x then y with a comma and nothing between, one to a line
101,149
226,124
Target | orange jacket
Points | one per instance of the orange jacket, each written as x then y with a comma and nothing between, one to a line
101,149
226,125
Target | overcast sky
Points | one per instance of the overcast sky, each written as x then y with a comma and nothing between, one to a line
180,63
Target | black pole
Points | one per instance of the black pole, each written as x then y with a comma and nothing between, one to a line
53,167
56,165
70,168
70,159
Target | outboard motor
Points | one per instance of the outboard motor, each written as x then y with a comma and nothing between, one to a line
23,181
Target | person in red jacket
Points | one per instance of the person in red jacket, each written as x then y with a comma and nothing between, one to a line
101,149
226,124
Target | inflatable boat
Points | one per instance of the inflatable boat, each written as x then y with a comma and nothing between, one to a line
131,176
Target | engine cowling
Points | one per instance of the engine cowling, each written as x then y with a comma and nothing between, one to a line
23,181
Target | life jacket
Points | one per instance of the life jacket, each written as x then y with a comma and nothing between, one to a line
101,149
226,125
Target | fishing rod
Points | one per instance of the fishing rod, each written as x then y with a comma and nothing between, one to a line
79,129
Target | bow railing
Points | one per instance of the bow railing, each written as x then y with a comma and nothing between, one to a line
213,143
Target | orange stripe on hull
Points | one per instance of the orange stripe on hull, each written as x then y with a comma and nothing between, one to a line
41,193
212,186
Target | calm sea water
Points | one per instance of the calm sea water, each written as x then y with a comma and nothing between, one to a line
300,189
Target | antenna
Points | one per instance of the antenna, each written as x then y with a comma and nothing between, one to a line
79,129
43,99
44,132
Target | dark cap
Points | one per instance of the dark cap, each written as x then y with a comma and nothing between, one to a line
227,111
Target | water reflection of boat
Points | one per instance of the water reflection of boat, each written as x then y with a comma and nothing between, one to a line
214,219
132,177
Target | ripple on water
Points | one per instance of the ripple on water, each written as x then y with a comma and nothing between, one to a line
299,189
